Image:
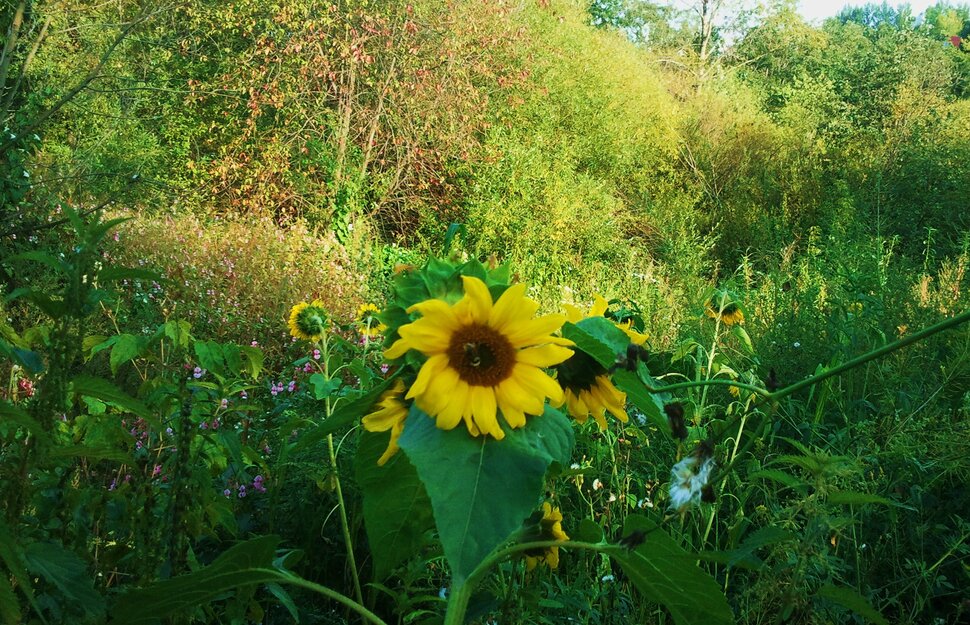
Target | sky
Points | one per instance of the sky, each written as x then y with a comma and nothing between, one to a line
820,9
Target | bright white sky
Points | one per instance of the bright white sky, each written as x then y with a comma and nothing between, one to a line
818,10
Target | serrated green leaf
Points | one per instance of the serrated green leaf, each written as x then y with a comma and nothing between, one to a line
774,475
58,265
179,332
744,556
68,572
397,511
125,348
849,598
241,565
669,576
210,354
91,452
113,274
323,387
849,497
743,336
233,357
95,406
110,394
599,337
254,360
12,557
9,608
10,413
481,489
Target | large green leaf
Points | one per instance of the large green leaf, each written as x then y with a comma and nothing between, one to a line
482,489
9,608
599,337
849,598
849,497
11,414
107,392
650,404
12,558
247,563
67,572
669,576
397,511
125,348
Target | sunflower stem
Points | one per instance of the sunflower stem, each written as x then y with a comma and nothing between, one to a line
824,375
458,599
341,506
366,614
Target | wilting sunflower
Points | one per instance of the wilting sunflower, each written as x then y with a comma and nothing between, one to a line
483,356
308,321
586,383
730,313
550,528
370,326
390,415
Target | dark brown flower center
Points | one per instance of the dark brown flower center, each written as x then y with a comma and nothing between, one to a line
481,355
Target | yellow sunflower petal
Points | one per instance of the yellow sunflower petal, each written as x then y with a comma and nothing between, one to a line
573,314
476,305
513,416
612,398
398,349
451,416
426,335
515,395
535,331
512,306
577,407
392,446
544,356
483,409
539,384
430,371
438,309
599,306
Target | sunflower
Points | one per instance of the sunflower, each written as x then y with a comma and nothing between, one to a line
730,313
586,383
370,325
308,321
550,528
598,309
390,416
483,356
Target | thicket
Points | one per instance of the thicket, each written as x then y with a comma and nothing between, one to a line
270,153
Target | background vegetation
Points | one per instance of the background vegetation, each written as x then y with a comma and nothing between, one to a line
271,152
